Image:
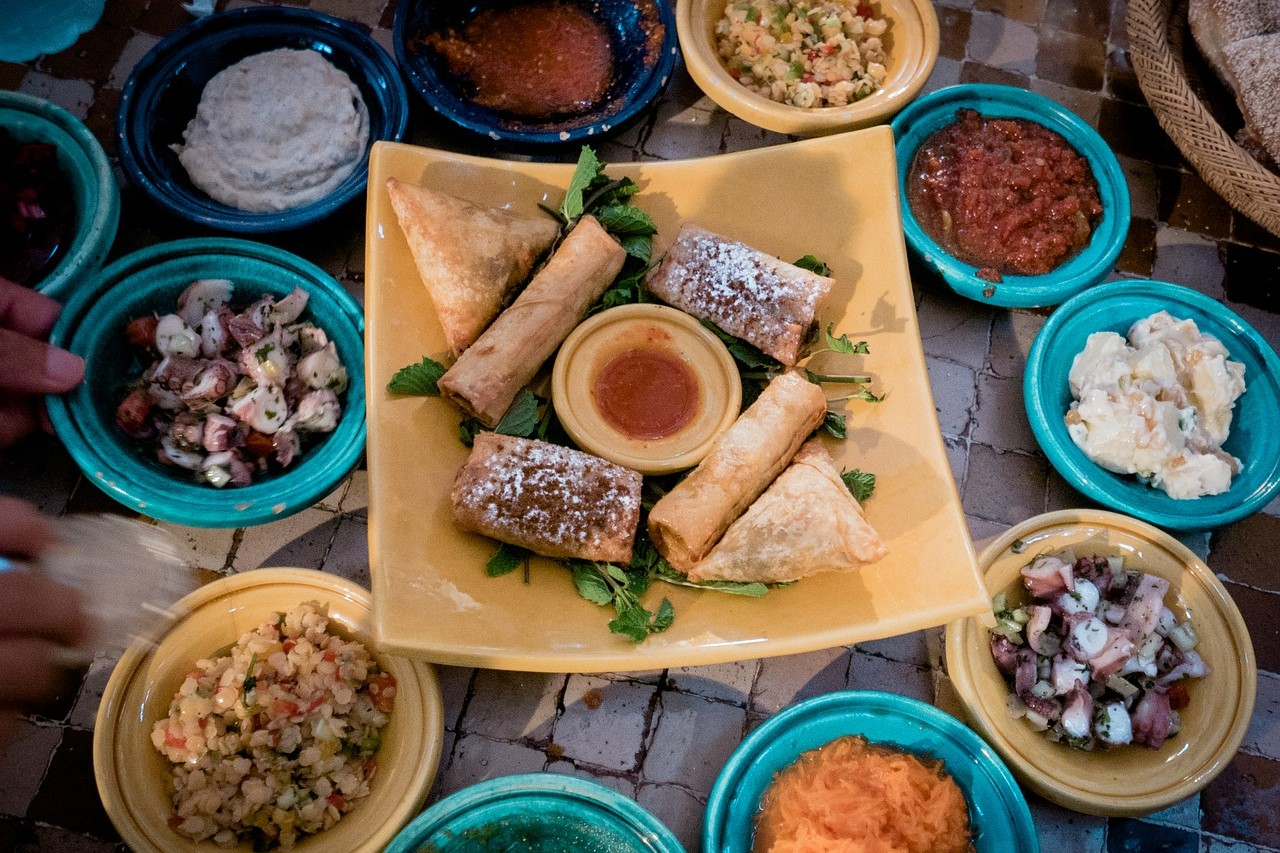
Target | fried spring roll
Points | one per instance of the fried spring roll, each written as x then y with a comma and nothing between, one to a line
805,522
485,379
769,303
553,500
692,517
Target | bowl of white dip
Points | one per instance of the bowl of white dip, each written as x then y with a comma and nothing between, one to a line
259,120
1139,411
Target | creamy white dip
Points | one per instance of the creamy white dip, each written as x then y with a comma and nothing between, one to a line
275,131
1157,405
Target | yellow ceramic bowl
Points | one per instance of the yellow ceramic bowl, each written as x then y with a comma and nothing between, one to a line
1129,780
133,778
911,43
594,344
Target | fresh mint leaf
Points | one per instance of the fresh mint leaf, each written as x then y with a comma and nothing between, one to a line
418,379
590,584
860,483
506,560
834,424
663,618
467,430
633,622
625,220
638,246
744,352
584,173
812,264
669,575
842,344
522,418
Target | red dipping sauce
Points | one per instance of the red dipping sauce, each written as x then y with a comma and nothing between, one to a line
646,393
532,60
1007,195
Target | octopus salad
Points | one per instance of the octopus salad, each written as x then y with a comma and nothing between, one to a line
231,394
1095,657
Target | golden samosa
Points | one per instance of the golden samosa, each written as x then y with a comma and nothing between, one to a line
805,522
472,259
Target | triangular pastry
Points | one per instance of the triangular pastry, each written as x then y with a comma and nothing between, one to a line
805,522
470,258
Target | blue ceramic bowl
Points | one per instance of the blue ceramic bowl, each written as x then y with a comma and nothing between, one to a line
642,67
33,27
160,98
536,813
150,280
1253,439
93,186
998,812
1086,268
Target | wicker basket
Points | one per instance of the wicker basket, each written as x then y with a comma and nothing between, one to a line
1155,45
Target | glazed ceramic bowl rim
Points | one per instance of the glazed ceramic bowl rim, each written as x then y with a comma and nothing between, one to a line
569,407
1089,266
1060,787
146,82
654,834
705,68
440,98
155,496
93,234
425,688
818,708
1111,489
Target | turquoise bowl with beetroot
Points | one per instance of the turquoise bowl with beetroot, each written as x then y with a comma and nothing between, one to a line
1088,266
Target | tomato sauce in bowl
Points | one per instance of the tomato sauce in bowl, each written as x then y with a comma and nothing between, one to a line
647,392
1007,195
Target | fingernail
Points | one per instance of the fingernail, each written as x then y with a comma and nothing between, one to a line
64,368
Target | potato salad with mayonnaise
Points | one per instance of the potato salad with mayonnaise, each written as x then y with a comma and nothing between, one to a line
230,394
1158,405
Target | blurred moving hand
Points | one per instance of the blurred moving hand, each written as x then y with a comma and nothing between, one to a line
29,367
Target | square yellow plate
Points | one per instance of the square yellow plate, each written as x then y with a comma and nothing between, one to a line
835,198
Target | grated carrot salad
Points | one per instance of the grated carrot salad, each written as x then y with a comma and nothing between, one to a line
852,797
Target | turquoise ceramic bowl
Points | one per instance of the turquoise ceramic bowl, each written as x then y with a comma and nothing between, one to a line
1253,439
998,811
34,27
536,813
1088,267
150,280
93,186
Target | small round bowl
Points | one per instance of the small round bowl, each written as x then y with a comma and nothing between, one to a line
537,813
595,342
92,181
1086,268
911,42
150,280
33,27
1128,780
1115,306
160,98
998,813
643,36
133,777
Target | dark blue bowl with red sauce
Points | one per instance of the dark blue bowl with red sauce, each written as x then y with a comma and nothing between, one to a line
1080,269
463,59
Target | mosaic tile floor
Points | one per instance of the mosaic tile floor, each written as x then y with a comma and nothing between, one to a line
661,736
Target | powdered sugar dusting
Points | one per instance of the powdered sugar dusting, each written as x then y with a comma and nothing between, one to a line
552,499
745,292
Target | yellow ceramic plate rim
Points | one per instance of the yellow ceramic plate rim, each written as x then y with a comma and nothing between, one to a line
701,350
835,197
138,809
1128,781
909,69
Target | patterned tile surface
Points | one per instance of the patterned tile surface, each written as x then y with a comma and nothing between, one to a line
660,737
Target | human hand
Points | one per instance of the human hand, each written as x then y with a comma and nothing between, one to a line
29,367
38,618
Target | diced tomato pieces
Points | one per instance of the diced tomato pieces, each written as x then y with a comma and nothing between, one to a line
142,331
865,11
258,444
336,801
1179,697
284,708
174,737
382,689
174,821
330,656
289,644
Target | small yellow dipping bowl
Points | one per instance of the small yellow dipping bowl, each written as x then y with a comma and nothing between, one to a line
598,344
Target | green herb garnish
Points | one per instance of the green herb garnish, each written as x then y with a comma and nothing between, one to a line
860,483
507,560
418,379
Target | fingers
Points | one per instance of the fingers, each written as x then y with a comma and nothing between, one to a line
35,367
32,672
37,609
24,530
20,415
25,311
